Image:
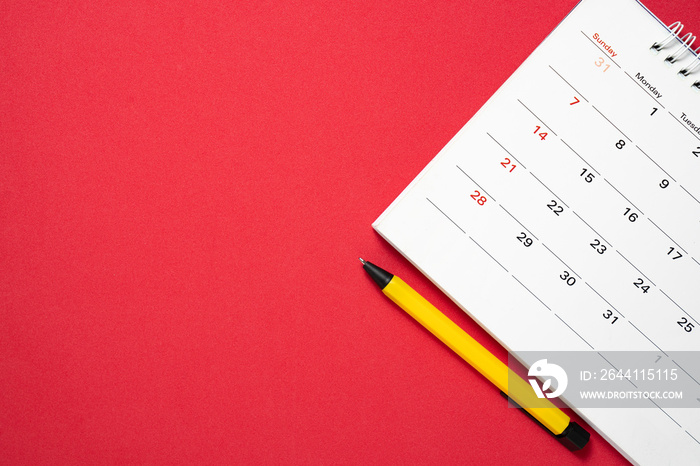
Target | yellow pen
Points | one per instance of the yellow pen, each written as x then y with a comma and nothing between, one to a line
572,435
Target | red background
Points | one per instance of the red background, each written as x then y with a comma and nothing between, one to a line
185,190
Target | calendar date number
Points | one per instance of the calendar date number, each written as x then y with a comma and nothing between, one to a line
525,239
630,215
685,325
599,247
608,314
508,165
568,278
541,134
639,283
587,175
602,64
674,253
478,198
555,207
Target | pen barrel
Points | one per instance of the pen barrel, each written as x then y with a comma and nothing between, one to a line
476,355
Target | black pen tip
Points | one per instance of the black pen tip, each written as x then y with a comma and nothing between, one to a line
380,276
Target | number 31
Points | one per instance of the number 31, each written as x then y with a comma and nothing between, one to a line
600,63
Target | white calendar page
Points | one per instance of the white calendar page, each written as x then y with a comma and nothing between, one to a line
566,214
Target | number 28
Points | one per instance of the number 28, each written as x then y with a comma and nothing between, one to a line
478,198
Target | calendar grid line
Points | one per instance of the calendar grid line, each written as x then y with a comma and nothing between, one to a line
567,266
625,197
489,254
613,124
594,230
507,151
552,192
668,236
567,82
606,301
645,336
538,118
571,328
579,156
679,306
684,126
531,292
655,163
663,411
446,216
688,193
686,372
635,267
606,360
630,381
691,436
477,184
519,223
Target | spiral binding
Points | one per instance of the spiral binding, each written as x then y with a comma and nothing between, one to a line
686,47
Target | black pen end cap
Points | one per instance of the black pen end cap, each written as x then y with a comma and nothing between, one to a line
574,437
380,276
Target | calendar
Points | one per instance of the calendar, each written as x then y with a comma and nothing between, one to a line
565,215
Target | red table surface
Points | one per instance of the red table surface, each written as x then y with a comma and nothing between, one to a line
185,190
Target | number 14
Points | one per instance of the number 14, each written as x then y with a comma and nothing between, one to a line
541,135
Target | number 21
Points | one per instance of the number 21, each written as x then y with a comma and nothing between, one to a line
507,163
